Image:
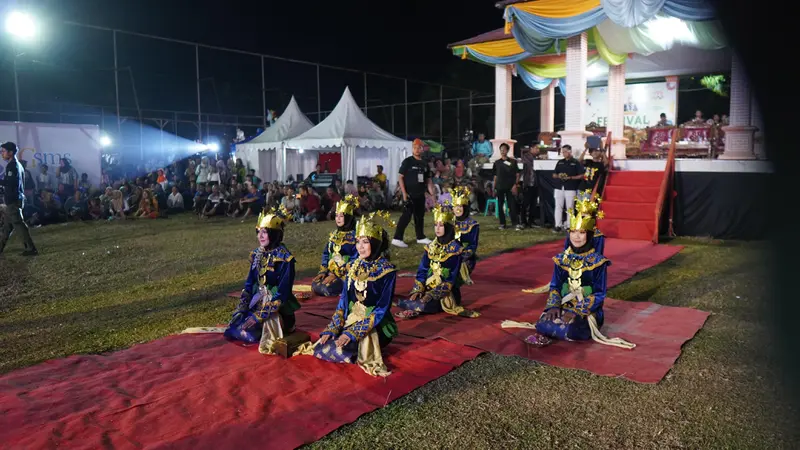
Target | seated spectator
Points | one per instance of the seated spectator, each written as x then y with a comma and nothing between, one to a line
381,178
376,196
291,203
75,207
445,196
175,201
251,204
84,185
350,188
118,206
310,204
329,202
365,204
95,209
214,203
148,206
200,197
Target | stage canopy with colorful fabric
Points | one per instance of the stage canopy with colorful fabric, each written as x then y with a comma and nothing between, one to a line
652,37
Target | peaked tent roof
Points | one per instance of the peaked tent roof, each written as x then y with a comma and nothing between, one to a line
347,125
290,124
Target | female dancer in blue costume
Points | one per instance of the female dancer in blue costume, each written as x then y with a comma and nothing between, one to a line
467,229
267,305
339,251
597,238
362,324
574,309
439,278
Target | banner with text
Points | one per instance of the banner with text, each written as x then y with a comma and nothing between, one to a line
644,103
49,143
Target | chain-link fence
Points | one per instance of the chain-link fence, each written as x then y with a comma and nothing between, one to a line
149,91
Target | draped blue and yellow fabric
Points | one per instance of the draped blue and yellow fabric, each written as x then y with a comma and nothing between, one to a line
534,24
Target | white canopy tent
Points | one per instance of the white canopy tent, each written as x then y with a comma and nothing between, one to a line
265,152
363,145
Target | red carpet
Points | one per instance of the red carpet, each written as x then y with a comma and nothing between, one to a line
199,391
658,331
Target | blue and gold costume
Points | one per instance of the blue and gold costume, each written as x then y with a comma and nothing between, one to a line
339,251
438,282
267,304
467,230
364,311
578,287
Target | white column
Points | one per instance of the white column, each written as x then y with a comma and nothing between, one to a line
575,132
547,108
757,121
502,110
739,134
616,106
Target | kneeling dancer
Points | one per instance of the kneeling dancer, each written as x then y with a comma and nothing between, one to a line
574,309
438,283
339,251
362,324
267,304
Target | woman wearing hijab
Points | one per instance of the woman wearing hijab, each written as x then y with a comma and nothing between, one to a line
340,250
362,324
437,287
267,304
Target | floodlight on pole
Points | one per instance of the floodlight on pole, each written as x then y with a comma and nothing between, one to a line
21,25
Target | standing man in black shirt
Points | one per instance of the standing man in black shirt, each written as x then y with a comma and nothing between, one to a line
506,177
595,171
415,180
569,174
530,192
14,184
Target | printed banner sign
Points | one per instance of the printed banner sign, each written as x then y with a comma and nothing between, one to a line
644,103
48,143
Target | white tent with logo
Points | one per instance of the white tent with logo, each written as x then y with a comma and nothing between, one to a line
362,144
264,153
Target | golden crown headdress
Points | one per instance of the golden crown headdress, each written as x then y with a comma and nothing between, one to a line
585,213
274,218
347,205
444,213
368,225
460,195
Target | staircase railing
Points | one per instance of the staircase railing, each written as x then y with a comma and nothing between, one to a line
607,151
666,185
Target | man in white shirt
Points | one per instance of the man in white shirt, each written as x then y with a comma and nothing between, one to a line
175,200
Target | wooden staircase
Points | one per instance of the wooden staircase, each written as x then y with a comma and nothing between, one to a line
633,202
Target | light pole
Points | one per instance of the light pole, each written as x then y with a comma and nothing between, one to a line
20,26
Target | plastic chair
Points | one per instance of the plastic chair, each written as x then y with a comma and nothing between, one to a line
493,202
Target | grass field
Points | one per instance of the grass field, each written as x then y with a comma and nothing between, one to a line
104,286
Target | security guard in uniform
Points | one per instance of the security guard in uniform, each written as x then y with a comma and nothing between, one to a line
14,182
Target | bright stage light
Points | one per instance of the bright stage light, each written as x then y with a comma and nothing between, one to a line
300,150
105,141
669,30
214,147
595,71
21,25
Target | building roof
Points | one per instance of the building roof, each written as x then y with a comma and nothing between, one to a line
494,35
505,3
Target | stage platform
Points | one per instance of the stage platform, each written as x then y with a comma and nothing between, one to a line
721,199
681,165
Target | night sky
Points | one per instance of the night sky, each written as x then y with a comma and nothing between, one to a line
74,65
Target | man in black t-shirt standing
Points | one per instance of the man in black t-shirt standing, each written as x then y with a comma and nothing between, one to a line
415,180
568,174
506,177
